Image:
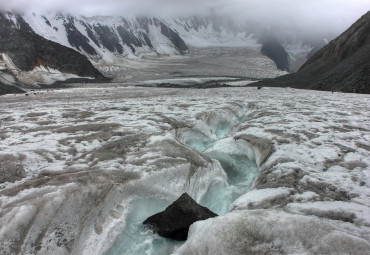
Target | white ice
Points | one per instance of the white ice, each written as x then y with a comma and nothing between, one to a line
89,163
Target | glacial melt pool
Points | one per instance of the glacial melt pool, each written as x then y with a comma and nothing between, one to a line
239,166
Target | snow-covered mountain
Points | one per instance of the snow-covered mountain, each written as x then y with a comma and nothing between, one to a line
29,59
116,45
208,31
103,39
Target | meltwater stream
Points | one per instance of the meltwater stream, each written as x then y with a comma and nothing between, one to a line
136,238
237,160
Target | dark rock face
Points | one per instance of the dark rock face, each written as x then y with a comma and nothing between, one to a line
9,89
129,38
108,38
114,38
342,65
174,38
28,50
90,33
275,51
76,39
174,222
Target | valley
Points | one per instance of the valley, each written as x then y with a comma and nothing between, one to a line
106,120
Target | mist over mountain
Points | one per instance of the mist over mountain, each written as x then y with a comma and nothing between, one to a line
342,65
309,17
109,33
112,110
105,40
320,14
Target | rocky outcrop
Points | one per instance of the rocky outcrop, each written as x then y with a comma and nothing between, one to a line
174,222
75,38
8,89
174,38
273,49
28,50
342,65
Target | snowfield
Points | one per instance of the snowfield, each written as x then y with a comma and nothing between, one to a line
288,171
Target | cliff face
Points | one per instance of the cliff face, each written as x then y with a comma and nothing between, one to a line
8,89
272,48
342,65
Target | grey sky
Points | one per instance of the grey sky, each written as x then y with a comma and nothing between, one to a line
308,14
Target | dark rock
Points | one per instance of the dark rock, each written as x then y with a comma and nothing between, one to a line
174,38
9,89
129,38
273,49
108,38
28,50
46,21
174,222
76,38
144,23
90,33
342,65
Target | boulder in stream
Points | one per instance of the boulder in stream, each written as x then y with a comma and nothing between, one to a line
175,220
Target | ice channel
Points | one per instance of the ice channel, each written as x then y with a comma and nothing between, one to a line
136,238
237,160
235,156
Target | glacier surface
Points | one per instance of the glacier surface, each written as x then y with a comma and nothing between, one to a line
287,170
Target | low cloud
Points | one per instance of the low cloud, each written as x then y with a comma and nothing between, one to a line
329,14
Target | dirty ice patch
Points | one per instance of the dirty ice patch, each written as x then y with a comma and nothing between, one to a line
186,81
260,198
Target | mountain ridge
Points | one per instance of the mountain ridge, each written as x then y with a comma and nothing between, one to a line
104,38
342,65
30,59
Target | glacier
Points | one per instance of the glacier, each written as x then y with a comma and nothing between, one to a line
286,169
117,45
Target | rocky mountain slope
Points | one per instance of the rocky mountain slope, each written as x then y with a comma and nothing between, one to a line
342,65
30,59
120,46
8,89
107,40
273,49
102,38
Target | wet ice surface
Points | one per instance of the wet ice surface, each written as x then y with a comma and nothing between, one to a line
87,165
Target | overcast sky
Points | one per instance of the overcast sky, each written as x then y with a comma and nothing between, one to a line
338,14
